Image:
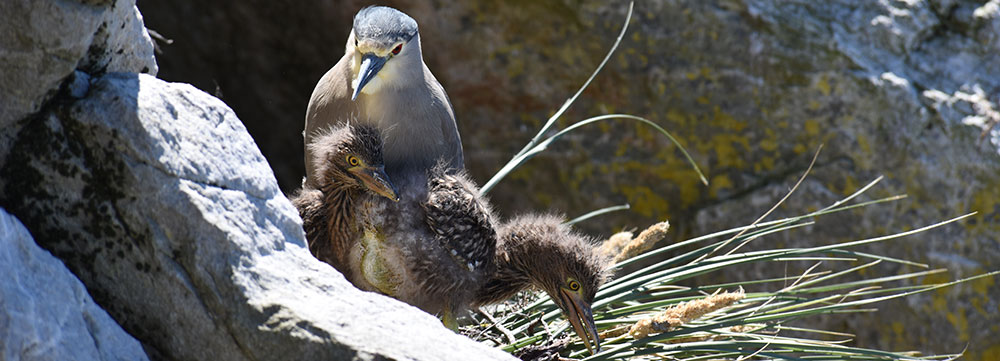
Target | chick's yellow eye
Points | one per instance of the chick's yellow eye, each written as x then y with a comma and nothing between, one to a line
353,161
574,285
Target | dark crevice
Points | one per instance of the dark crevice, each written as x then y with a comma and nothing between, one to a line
92,329
780,177
935,117
948,21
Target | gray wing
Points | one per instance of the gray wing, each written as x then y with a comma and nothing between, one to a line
449,127
460,220
330,100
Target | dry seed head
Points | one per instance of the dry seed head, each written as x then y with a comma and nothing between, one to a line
622,246
644,241
684,313
614,245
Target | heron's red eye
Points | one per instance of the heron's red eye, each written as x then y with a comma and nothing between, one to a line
397,49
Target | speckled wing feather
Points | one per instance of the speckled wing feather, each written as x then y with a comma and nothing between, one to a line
460,219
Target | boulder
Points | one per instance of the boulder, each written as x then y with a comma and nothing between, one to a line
905,89
44,41
46,313
156,197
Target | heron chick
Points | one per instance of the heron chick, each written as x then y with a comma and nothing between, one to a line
350,174
541,251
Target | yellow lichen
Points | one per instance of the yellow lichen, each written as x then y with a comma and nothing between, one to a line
864,144
960,323
814,105
644,201
719,182
991,353
768,145
811,126
823,84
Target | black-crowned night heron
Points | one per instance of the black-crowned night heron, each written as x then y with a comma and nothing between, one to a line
432,249
541,251
382,80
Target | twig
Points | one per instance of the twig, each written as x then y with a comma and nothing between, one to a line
500,327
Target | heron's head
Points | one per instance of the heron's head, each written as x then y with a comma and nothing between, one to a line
386,46
562,263
351,156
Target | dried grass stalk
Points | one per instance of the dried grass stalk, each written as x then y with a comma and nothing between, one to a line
622,245
614,245
684,313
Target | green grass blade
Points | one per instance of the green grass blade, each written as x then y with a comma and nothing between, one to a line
595,213
514,163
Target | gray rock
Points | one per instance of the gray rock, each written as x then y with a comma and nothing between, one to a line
156,197
44,41
46,313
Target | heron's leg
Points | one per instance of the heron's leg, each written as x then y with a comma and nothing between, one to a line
448,319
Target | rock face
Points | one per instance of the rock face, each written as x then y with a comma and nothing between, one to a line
155,196
46,313
43,41
903,89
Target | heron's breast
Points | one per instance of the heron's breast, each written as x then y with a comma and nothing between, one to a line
411,129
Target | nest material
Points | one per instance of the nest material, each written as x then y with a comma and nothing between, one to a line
548,351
